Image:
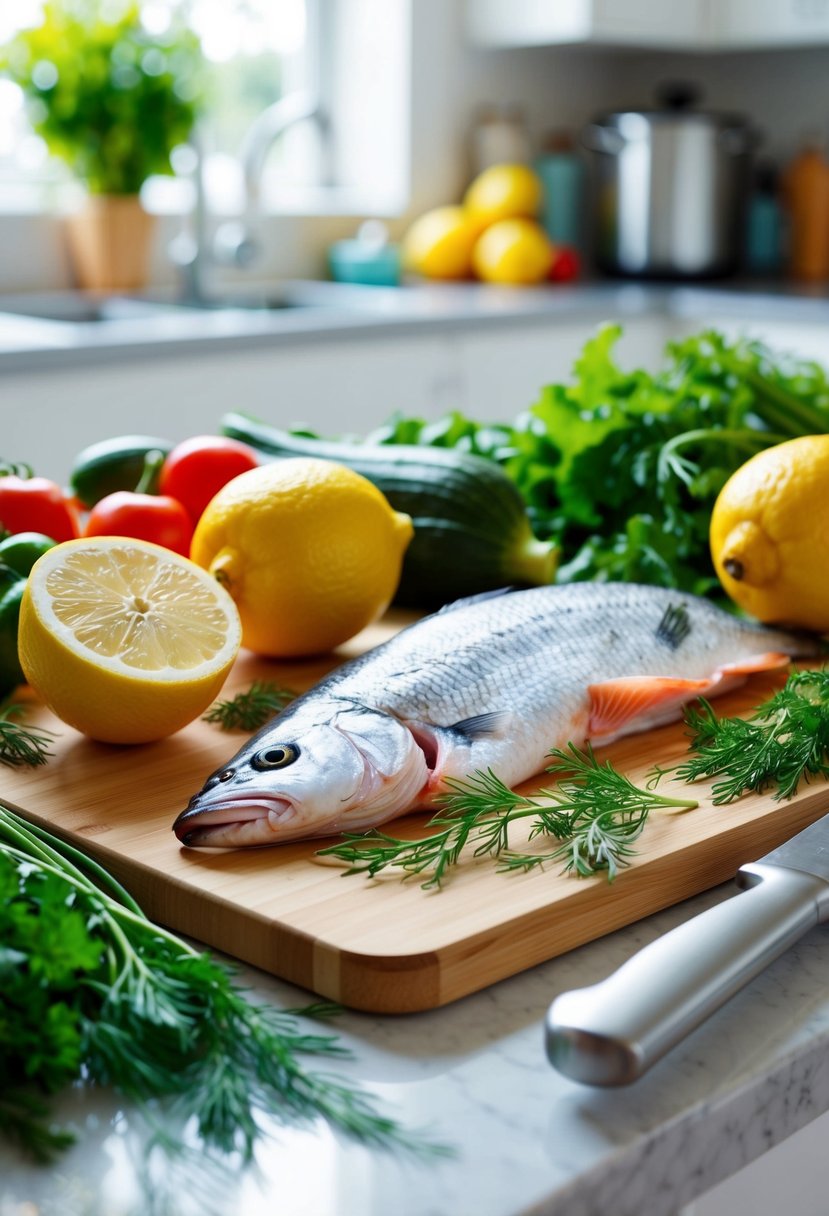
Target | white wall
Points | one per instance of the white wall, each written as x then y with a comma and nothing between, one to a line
786,92
433,105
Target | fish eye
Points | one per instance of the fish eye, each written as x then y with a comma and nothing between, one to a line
277,755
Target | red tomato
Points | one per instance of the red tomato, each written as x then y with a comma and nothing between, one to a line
197,469
34,504
152,517
566,265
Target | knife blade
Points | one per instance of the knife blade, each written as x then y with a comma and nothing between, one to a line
612,1032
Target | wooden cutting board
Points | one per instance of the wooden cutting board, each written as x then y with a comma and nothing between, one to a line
379,945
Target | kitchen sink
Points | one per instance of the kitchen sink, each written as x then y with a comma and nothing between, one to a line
84,308
80,308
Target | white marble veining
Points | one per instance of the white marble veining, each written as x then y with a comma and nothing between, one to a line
527,1140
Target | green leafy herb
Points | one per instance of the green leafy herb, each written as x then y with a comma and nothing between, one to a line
784,742
251,709
595,814
622,468
20,744
116,122
89,987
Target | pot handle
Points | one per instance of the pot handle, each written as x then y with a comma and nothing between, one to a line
596,138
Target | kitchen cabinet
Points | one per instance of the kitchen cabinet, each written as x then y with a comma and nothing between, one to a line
330,385
792,1177
692,25
489,365
502,371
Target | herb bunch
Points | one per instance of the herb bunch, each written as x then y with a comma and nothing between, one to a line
21,745
251,708
594,813
785,741
622,468
89,987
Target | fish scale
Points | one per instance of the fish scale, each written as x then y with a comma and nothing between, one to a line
493,682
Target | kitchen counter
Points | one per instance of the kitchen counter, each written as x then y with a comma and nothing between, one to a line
475,1075
337,358
70,331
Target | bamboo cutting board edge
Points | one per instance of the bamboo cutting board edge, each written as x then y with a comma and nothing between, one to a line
416,980
380,946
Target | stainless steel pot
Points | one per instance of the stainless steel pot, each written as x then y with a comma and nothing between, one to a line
670,187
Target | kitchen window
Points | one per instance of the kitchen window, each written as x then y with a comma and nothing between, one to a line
256,51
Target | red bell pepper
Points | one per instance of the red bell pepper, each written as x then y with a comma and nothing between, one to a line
35,504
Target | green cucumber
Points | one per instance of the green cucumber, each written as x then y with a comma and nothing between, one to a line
472,532
113,464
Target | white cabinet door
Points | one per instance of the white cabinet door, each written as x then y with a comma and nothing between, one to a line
546,22
691,24
502,370
332,386
791,1178
768,23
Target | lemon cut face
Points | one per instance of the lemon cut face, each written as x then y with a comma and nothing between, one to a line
125,640
135,610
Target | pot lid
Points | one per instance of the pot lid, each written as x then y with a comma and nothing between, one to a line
676,102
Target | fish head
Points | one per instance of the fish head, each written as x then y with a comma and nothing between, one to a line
308,775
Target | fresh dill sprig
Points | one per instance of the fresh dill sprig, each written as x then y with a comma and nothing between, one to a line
20,744
91,988
605,811
595,813
782,743
251,709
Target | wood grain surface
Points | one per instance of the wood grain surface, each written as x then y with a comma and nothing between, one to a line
381,945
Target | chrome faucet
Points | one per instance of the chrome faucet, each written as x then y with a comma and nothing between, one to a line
235,242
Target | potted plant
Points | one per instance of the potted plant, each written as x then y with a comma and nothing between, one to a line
112,99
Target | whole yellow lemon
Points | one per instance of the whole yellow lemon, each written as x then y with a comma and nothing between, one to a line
770,534
503,192
439,244
513,251
310,551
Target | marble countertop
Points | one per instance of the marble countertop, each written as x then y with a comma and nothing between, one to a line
475,1075
526,1140
69,329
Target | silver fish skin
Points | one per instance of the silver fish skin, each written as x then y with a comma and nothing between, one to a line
491,682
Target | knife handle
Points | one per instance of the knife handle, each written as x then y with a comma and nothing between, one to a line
612,1032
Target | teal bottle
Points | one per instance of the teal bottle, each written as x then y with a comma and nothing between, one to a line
764,224
561,171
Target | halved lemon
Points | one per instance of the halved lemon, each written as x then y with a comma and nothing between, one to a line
124,640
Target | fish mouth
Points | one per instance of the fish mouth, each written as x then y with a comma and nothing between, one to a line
233,822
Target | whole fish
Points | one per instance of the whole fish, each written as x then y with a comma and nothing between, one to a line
491,682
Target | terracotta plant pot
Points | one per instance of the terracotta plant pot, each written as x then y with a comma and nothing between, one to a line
109,243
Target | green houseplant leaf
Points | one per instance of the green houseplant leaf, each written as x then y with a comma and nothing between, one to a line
108,96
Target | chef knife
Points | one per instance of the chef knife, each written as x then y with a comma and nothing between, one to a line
612,1032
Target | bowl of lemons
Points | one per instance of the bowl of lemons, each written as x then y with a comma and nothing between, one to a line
493,235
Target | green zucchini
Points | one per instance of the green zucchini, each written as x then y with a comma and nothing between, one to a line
112,464
472,532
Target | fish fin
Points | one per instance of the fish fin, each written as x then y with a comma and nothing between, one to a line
482,724
473,599
771,660
674,626
616,705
